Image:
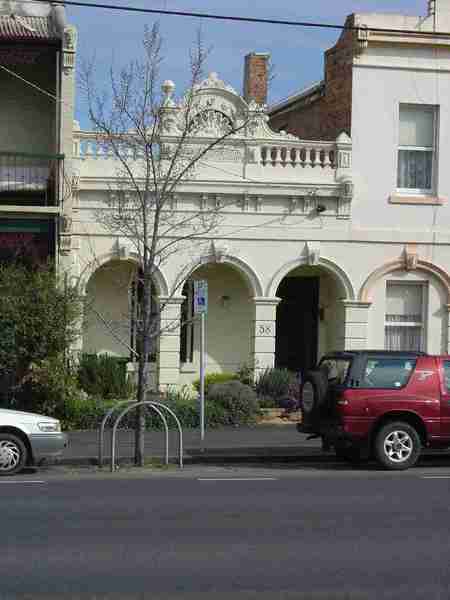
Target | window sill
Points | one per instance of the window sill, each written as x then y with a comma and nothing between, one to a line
401,198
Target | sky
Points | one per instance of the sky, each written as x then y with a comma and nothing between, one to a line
297,53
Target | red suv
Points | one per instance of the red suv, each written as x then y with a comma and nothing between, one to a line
378,403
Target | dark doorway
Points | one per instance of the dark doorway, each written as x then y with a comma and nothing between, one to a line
297,323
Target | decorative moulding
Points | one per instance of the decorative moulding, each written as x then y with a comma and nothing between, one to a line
311,253
411,257
124,249
217,251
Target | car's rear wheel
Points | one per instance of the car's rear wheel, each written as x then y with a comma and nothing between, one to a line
397,446
13,454
313,397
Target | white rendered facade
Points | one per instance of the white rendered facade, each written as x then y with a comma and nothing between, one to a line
315,236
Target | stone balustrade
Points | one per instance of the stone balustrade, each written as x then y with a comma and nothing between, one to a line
304,154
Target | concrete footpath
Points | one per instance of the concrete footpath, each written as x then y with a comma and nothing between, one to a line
238,444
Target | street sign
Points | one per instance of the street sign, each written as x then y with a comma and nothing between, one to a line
200,297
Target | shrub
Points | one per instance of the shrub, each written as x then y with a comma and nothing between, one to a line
237,400
212,378
267,402
104,376
246,374
84,412
281,386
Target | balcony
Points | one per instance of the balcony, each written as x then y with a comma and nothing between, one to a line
31,181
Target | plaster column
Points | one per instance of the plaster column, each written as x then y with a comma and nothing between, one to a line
169,341
353,335
264,332
64,143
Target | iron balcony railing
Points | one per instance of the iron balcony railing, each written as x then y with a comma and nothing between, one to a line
31,179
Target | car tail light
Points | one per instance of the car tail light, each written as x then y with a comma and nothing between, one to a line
342,402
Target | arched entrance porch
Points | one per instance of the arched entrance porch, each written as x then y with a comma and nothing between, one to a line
113,296
229,321
310,317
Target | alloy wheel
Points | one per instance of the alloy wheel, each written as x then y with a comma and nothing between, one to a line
398,446
10,455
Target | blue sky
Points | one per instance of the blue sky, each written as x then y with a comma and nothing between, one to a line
297,53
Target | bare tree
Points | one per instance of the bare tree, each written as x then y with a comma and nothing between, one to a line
150,136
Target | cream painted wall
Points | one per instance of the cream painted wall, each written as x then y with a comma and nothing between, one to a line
420,76
107,295
229,325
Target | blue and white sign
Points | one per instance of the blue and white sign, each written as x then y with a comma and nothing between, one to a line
200,297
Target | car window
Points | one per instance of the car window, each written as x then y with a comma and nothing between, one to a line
337,369
447,374
388,373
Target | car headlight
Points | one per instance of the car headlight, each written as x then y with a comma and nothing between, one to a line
49,426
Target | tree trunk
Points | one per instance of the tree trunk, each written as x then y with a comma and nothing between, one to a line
139,428
143,372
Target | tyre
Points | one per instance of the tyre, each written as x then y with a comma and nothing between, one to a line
13,454
397,446
313,396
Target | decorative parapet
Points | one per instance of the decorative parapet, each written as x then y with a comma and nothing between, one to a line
250,153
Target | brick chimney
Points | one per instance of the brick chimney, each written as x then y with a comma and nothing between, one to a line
256,77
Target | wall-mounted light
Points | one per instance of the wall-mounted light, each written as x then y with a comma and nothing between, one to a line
225,301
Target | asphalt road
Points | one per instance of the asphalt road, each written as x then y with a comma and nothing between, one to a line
318,532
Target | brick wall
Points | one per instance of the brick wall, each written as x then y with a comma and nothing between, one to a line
327,110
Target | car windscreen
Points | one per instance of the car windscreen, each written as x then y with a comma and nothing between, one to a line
336,368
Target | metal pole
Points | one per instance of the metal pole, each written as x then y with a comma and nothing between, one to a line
202,376
101,433
180,430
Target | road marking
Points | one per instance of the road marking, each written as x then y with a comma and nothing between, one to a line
22,481
436,477
237,479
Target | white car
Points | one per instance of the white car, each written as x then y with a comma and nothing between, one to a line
27,439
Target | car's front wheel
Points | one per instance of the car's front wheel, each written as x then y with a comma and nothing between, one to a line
397,446
13,454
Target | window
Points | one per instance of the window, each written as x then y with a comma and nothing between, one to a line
388,373
187,324
337,369
416,150
136,297
447,374
404,322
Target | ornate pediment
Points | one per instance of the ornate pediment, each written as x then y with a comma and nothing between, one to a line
211,122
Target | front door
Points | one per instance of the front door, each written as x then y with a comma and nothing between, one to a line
297,323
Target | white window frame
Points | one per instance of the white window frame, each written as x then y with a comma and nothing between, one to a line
433,149
423,323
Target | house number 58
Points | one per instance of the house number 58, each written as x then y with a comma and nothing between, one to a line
264,330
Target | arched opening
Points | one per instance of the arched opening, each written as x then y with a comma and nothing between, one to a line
229,321
113,311
309,317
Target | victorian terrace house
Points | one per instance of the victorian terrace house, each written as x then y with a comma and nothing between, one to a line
36,119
